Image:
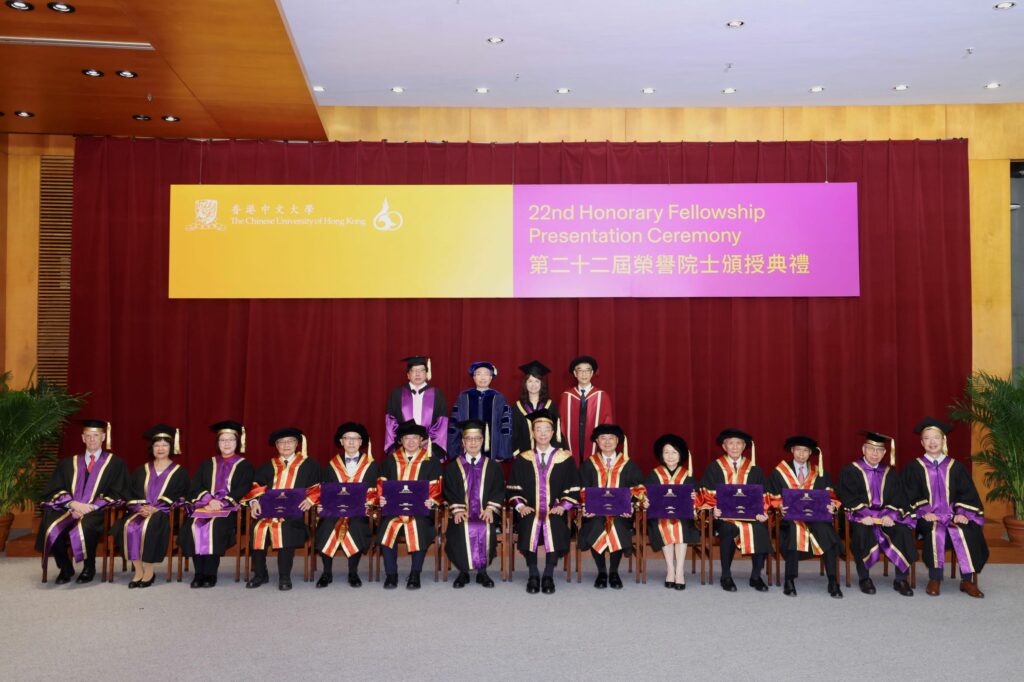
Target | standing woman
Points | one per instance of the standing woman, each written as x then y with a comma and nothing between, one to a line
211,527
533,396
670,536
155,487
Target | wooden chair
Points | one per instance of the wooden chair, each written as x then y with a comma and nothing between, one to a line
306,550
644,544
240,548
512,539
372,516
104,546
440,513
885,559
637,550
499,549
710,539
775,529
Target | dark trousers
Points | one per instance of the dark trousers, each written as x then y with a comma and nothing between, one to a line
390,555
615,558
937,574
727,551
285,558
59,552
550,563
209,564
831,558
863,573
353,563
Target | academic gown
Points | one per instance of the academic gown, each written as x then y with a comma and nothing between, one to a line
945,491
133,532
611,533
302,472
877,493
598,411
351,535
419,531
662,532
492,409
472,544
522,439
541,488
71,481
753,536
212,533
816,537
434,417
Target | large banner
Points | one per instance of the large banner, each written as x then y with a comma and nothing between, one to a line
499,241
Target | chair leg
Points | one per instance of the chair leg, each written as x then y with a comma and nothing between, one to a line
913,575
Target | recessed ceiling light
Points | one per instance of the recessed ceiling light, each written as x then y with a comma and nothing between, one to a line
125,73
170,118
817,88
92,73
318,88
398,89
735,23
482,91
998,5
648,91
728,91
62,7
991,86
901,87
24,114
141,117
495,40
562,91
20,6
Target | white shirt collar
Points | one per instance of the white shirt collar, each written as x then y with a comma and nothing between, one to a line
936,459
417,388
588,389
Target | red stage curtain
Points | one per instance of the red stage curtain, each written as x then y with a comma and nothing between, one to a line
774,367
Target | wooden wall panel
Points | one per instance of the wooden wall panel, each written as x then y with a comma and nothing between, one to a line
995,131
22,276
704,125
3,251
546,125
865,123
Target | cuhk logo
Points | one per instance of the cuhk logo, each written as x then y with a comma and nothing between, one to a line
206,216
387,220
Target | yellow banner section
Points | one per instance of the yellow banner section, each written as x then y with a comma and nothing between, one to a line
340,241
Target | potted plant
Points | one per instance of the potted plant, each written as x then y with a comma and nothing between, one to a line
996,404
30,419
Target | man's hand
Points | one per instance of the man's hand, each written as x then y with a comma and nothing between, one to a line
215,505
306,505
761,517
524,510
558,510
148,511
867,521
81,507
718,513
887,522
960,519
487,516
831,509
931,517
254,509
459,516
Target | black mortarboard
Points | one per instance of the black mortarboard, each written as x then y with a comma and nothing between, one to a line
534,368
351,427
97,425
234,427
876,438
581,360
734,433
931,422
805,441
411,428
168,433
607,430
289,432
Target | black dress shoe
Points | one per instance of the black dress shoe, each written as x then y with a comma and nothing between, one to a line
64,578
133,584
866,586
461,581
903,587
210,581
197,582
758,584
680,586
614,581
601,581
325,580
533,584
86,576
284,585
390,582
833,589
146,583
728,584
413,583
483,579
354,581
547,585
669,584
256,581
788,588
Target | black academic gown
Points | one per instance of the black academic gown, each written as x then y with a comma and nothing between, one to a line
659,529
223,531
461,537
435,421
562,486
749,474
281,533
350,535
428,469
521,428
962,498
824,534
623,474
855,496
156,532
67,476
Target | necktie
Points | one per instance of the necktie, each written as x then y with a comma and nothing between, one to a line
351,461
801,474
735,466
608,463
583,421
543,459
472,462
89,463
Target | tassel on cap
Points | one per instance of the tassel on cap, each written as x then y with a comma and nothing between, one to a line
892,452
625,446
369,448
109,438
241,444
753,452
304,445
689,461
177,441
821,459
428,369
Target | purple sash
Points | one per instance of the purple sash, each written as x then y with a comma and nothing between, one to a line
136,525
875,479
437,429
202,519
944,527
476,529
84,486
540,526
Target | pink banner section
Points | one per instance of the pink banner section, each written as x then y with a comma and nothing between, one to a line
787,239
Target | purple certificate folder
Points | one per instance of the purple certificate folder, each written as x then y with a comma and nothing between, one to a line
608,501
807,505
742,502
406,498
342,500
670,501
282,503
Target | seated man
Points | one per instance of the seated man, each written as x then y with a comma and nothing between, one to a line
543,486
73,502
875,509
289,469
948,509
418,402
609,468
798,538
474,489
410,462
484,404
350,534
750,536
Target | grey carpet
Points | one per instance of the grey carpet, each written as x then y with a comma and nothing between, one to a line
643,631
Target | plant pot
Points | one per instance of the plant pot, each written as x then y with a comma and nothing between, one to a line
1014,529
5,528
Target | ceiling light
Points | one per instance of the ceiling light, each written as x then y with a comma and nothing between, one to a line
998,5
648,91
991,86
62,7
20,6
901,87
729,91
141,117
817,88
495,40
398,89
482,91
24,114
735,23
124,73
318,88
92,73
170,118
562,91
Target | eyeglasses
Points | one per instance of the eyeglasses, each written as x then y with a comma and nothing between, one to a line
352,438
473,439
580,370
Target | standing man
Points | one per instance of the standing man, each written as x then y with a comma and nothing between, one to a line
73,503
584,407
420,403
484,404
948,509
474,489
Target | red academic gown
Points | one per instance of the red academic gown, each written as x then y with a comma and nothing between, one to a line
599,411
